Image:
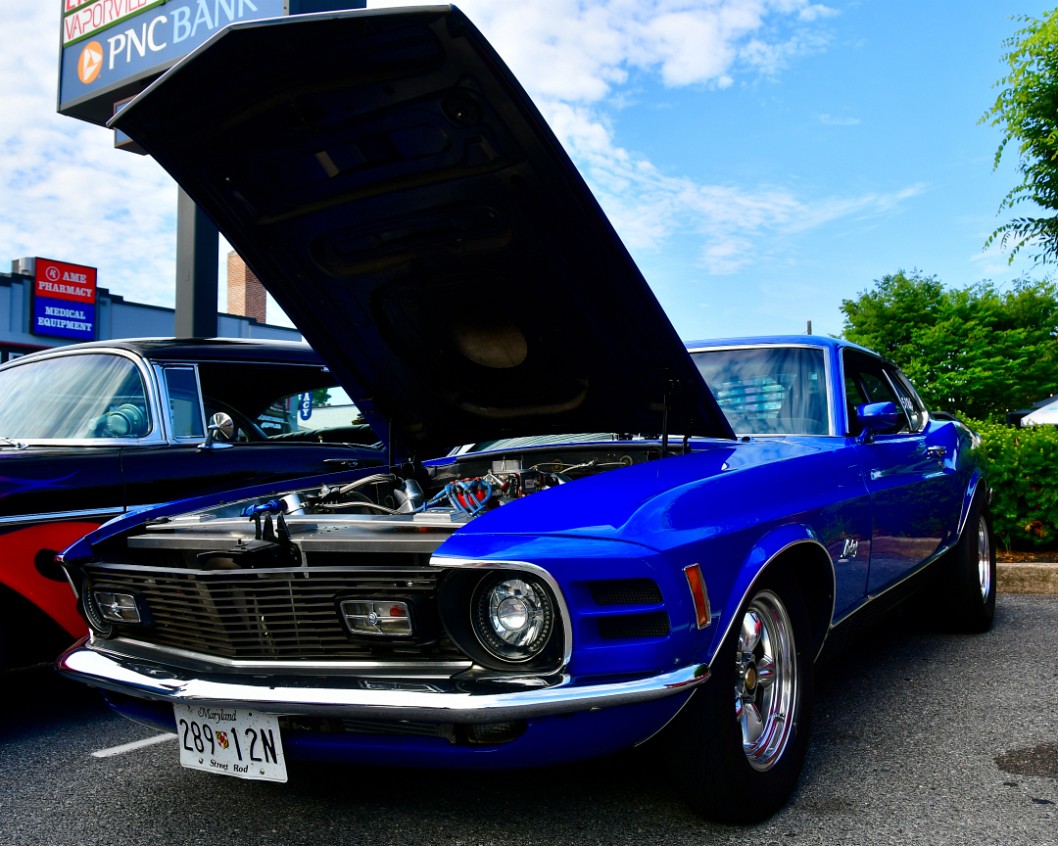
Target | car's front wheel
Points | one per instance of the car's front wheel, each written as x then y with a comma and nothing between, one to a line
739,744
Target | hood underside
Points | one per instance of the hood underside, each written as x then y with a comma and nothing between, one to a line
393,187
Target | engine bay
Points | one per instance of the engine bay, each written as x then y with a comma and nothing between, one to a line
407,512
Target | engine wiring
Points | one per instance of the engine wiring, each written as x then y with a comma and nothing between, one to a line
470,495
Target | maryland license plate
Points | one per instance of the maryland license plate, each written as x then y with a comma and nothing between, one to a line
231,741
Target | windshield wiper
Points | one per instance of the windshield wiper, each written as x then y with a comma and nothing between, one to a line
11,442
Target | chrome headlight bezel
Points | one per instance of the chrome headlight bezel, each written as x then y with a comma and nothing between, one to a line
475,596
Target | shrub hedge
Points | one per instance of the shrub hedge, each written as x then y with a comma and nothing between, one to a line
1022,468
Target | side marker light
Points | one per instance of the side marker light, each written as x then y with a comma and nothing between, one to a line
700,596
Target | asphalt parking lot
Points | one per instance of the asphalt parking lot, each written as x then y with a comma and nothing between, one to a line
920,736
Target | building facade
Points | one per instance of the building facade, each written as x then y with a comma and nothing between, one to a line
40,307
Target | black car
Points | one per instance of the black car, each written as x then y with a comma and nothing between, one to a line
89,431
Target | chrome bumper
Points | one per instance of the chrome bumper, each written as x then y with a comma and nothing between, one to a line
346,696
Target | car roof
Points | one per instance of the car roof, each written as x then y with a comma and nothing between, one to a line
191,349
778,340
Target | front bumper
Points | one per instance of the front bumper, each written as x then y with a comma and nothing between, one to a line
448,700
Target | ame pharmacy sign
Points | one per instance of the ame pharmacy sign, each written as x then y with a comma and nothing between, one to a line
64,300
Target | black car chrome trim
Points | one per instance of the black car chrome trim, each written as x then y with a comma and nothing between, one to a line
162,384
62,516
159,422
869,598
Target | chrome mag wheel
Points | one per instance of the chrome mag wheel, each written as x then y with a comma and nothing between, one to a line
766,679
984,557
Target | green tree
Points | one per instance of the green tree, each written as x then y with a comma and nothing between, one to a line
1025,110
975,351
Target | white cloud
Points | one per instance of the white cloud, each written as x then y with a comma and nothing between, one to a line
580,50
573,56
836,120
70,195
651,209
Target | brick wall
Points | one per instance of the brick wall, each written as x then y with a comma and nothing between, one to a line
246,294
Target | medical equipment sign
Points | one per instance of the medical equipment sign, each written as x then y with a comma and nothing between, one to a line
64,300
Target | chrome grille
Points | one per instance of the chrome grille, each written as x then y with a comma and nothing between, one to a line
273,614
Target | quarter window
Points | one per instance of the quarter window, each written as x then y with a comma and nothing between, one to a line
185,405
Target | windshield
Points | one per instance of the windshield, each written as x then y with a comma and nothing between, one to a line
75,396
769,390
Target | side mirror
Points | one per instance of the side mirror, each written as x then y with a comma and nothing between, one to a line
221,428
876,417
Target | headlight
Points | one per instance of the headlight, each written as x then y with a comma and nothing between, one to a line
513,616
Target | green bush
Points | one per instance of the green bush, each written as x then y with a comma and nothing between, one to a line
1022,468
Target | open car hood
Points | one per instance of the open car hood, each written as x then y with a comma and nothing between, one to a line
393,187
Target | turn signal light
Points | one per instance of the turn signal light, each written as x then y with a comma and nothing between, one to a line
374,618
117,607
696,583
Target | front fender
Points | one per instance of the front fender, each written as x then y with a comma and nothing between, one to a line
797,548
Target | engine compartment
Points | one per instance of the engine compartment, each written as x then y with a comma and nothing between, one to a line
405,514
471,484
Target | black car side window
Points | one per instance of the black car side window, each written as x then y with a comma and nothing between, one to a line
74,396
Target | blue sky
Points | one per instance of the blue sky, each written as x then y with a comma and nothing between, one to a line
762,159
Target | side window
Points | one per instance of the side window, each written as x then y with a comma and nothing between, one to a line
73,397
185,406
866,381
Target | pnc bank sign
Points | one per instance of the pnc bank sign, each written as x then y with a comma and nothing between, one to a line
113,48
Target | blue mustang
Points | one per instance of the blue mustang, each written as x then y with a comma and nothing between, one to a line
727,512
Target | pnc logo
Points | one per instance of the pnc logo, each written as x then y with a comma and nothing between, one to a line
90,62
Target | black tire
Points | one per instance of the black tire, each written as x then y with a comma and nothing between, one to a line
725,771
970,580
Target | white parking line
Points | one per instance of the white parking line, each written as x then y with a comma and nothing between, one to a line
129,747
